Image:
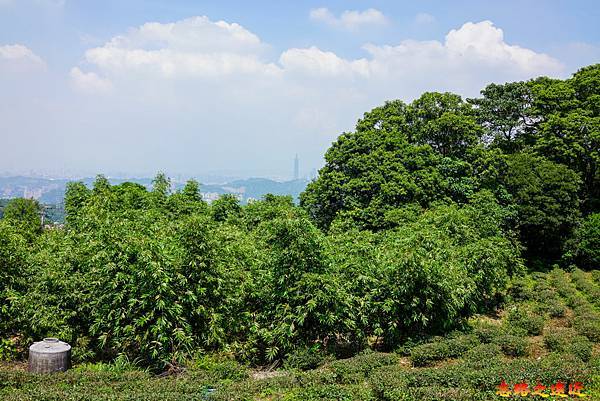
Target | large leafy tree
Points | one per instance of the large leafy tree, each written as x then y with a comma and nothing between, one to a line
24,214
398,155
585,247
569,132
505,112
546,198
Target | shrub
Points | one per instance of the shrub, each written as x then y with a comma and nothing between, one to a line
356,369
425,354
525,318
486,331
482,355
520,289
218,367
461,344
305,358
512,345
586,285
8,350
565,367
12,265
588,325
335,392
556,338
581,347
556,308
596,275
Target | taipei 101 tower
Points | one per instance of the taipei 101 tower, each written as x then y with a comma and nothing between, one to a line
296,168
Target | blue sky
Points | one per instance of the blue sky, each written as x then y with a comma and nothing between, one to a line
239,87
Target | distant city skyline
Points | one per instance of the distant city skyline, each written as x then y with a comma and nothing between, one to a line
235,88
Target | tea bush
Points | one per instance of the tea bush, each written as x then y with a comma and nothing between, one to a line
486,331
580,347
358,368
425,354
306,358
525,318
512,345
588,324
557,338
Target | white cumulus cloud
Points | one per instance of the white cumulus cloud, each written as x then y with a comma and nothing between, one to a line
89,82
194,47
20,53
186,93
349,19
315,61
474,50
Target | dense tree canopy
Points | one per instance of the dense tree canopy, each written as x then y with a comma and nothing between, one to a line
419,219
534,144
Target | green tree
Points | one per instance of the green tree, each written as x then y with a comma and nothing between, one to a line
545,195
188,200
569,127
305,305
427,274
76,195
161,188
398,155
226,207
13,249
505,112
586,244
24,214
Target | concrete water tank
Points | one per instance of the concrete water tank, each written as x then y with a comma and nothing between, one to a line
49,355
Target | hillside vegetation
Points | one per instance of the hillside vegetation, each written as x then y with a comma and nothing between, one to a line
446,244
547,331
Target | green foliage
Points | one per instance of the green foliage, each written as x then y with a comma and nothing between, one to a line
414,225
483,355
13,250
8,350
76,195
503,111
357,369
218,367
525,318
588,324
309,305
305,358
512,345
557,338
425,354
546,195
398,155
487,331
587,242
24,214
226,207
581,347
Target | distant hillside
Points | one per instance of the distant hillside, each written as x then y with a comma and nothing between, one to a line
52,191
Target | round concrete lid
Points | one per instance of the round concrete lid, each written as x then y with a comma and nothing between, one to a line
49,346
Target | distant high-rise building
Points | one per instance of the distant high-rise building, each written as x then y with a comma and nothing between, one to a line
296,168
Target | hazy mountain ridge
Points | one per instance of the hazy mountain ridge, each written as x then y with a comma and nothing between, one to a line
52,191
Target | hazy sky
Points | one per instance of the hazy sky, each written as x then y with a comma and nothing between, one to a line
239,87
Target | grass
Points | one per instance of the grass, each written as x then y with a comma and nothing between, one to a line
548,330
